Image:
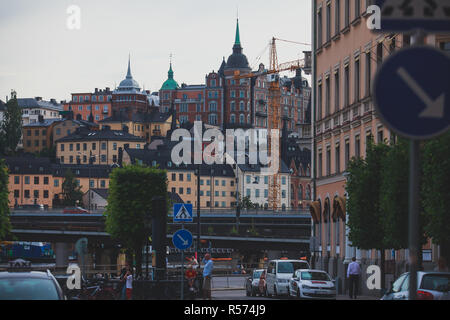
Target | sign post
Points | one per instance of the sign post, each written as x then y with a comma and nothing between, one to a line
182,240
416,106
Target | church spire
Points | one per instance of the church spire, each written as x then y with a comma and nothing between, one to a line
237,40
129,76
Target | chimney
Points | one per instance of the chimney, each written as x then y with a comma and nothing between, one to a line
41,118
53,101
96,90
38,98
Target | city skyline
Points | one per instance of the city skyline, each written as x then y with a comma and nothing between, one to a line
66,61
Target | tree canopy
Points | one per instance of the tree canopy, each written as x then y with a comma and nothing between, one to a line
71,190
11,127
5,224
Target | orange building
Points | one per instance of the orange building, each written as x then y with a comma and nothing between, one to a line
83,105
38,136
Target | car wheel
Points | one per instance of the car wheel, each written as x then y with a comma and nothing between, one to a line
246,292
298,294
275,293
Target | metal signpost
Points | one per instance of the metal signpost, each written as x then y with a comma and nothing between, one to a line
182,239
412,93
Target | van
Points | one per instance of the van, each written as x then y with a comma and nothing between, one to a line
279,272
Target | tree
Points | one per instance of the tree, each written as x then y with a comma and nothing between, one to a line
5,224
436,191
11,127
131,190
71,190
246,203
364,215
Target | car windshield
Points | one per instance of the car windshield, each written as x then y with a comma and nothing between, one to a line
290,266
257,274
320,276
27,289
437,282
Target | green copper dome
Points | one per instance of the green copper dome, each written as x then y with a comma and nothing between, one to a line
170,83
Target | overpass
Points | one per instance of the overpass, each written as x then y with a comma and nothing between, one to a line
254,230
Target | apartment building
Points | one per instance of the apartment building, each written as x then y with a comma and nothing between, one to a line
102,146
38,136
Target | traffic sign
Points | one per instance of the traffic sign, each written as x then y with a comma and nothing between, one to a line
182,239
182,212
401,15
411,92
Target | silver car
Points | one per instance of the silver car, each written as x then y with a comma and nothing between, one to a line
430,286
312,284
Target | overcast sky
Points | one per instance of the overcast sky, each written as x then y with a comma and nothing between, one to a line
40,56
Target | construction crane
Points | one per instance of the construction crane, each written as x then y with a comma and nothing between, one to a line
274,121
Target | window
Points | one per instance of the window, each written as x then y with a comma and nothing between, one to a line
103,183
357,147
319,102
347,153
103,145
257,193
103,157
328,161
380,137
36,194
368,72
212,118
327,97
319,167
180,190
347,12
357,8
337,16
346,86
26,194
27,180
328,22
233,106
233,118
241,119
248,193
357,80
188,190
337,152
319,28
283,181
56,183
336,91
266,179
16,180
16,193
45,180
94,146
241,106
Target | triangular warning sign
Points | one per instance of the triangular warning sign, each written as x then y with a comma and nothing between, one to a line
183,213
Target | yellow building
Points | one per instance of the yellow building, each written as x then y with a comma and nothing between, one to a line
154,124
38,136
103,146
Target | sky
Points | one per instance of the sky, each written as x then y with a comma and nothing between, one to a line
41,56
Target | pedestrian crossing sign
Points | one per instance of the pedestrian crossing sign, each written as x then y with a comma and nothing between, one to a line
182,212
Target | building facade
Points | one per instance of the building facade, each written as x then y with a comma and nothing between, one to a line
38,136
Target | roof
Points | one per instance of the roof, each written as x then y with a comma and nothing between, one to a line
25,274
128,84
105,134
163,158
44,123
83,171
101,192
257,167
154,116
170,83
175,197
28,103
29,165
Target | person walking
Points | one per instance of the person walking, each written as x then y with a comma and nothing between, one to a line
129,284
207,273
353,273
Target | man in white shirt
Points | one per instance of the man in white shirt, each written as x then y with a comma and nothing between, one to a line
353,272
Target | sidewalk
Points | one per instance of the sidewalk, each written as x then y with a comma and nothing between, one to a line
346,297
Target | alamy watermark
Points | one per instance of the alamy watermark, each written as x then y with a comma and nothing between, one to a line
74,280
73,21
251,147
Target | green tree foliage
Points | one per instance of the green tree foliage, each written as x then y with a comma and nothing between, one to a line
436,191
363,188
246,203
71,190
5,225
11,127
131,190
394,195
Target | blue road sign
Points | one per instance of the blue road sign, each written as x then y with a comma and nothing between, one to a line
182,212
401,15
182,239
412,92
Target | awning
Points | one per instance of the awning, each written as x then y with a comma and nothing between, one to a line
326,209
314,209
339,208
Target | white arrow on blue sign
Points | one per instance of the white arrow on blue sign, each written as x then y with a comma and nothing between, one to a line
182,239
412,92
182,212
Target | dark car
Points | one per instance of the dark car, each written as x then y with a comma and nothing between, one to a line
29,285
75,210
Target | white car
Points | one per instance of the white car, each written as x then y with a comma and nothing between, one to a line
312,284
279,272
430,286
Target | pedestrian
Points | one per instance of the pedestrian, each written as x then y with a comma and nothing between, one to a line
353,273
207,273
262,283
129,283
123,280
191,275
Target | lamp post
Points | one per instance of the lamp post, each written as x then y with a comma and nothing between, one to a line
198,214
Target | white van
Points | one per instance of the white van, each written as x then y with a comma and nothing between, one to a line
279,272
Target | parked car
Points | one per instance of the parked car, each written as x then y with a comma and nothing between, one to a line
32,207
279,272
29,285
252,283
75,210
430,286
311,284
